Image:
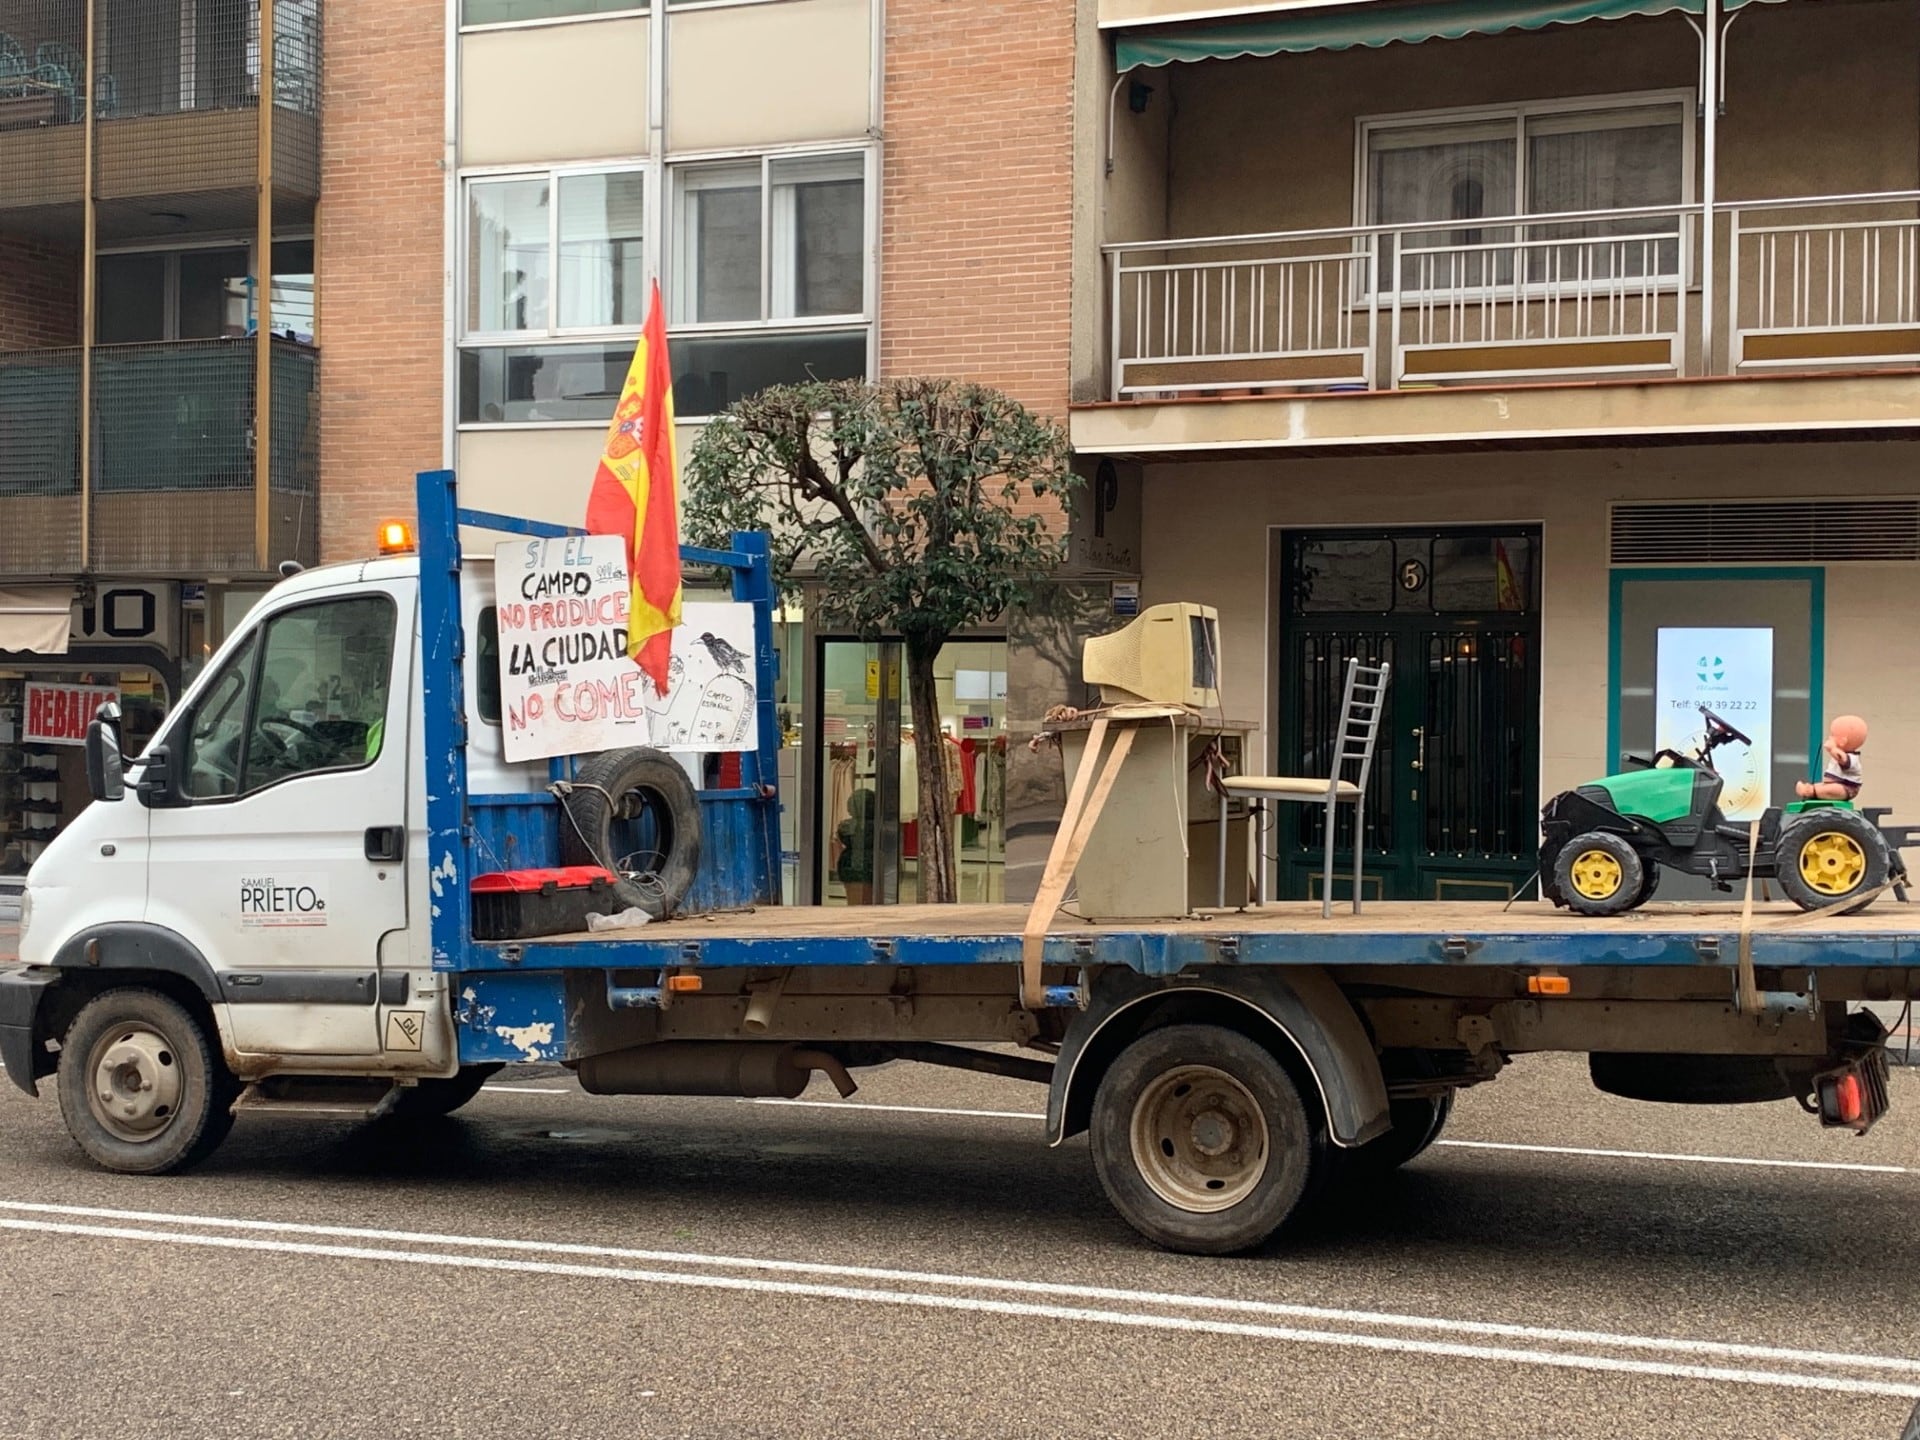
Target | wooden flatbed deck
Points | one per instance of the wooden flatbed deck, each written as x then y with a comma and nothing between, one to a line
1385,933
1887,918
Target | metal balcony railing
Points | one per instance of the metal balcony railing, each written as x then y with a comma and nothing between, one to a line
161,58
170,480
1829,282
1824,283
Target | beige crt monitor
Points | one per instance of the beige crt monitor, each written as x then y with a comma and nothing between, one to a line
1170,655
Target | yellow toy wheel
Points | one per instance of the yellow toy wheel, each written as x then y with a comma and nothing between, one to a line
1600,873
1832,863
1831,858
1596,875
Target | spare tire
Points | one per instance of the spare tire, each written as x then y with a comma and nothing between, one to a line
634,812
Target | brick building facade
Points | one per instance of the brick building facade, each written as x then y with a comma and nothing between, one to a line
380,254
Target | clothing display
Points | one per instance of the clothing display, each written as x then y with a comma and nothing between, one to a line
841,763
993,779
966,797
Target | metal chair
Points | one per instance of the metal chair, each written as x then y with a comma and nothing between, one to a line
15,70
1362,703
59,67
294,87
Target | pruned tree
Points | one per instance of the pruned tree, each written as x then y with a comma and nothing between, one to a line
916,507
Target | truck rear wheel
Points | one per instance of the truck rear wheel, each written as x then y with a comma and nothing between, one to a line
1202,1140
1827,859
142,1089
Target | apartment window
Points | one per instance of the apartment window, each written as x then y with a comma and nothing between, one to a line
769,275
557,252
155,295
507,12
200,293
551,256
1545,159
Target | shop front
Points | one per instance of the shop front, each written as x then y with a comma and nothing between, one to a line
121,643
1548,613
867,820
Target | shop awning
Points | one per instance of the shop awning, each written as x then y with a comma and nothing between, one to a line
1375,25
36,619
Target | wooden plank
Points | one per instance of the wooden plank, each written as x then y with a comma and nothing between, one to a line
1560,355
1831,346
1064,859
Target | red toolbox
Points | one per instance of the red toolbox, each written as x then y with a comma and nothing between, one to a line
521,904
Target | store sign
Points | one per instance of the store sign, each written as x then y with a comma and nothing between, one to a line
567,684
1730,671
122,614
59,714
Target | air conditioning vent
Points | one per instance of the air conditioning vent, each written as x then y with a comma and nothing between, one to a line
1749,532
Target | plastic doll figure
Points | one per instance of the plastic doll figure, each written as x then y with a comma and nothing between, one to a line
1840,777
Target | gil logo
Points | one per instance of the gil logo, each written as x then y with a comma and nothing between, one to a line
1711,668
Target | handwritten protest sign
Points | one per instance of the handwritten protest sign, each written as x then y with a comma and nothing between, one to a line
567,685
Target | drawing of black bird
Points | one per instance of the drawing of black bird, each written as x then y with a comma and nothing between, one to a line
724,655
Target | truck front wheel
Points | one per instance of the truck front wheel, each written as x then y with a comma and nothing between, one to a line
1201,1139
142,1089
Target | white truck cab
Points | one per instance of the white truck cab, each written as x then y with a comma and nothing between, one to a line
266,851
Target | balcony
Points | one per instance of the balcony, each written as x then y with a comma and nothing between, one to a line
1798,288
1482,221
171,483
1812,284
174,93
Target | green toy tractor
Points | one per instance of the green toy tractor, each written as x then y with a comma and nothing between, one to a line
1604,843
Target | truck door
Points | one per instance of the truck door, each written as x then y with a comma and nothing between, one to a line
278,851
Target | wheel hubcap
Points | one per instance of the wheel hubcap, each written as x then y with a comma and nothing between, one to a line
1832,863
137,1082
1199,1139
1596,874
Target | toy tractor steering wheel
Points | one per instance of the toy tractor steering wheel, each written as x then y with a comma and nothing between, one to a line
1721,730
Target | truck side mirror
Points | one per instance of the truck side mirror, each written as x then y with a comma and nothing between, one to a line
105,768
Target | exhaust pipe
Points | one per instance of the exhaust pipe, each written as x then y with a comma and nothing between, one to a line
711,1067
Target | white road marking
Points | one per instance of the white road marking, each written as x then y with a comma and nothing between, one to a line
530,1089
1676,1156
1060,1289
1012,1308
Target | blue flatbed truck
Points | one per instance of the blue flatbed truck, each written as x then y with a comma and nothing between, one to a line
273,908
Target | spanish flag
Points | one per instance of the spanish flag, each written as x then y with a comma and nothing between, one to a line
634,496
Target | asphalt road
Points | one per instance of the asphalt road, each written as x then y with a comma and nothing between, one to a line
554,1264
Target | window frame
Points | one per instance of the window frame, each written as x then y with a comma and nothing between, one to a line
1434,124
171,253
677,250
635,9
552,176
659,247
178,731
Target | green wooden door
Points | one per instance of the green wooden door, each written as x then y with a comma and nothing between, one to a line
1452,805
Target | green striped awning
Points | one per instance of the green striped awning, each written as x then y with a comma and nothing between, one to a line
1375,25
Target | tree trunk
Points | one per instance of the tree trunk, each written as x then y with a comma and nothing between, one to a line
939,878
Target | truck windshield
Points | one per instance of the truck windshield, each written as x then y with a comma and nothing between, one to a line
307,692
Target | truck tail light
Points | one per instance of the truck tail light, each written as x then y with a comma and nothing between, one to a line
1853,1095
